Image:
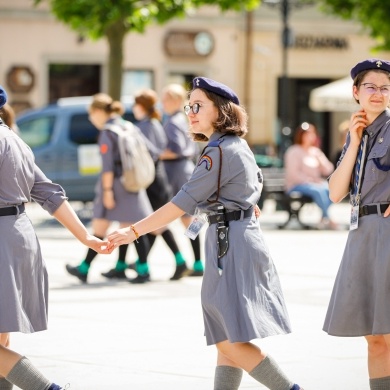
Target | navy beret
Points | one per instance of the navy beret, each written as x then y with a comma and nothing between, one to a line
372,63
3,96
216,87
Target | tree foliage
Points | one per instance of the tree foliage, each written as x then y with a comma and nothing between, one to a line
113,19
372,14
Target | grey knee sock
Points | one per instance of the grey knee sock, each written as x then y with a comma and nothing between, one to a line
5,385
227,378
27,377
380,383
270,375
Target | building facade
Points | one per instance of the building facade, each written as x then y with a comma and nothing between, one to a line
43,60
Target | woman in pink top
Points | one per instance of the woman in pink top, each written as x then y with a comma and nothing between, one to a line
306,168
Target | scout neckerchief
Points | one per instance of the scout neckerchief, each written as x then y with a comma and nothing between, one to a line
357,182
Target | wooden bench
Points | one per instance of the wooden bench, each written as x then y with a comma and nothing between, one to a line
273,188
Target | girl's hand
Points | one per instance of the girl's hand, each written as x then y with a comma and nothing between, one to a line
257,211
98,245
108,199
120,237
357,125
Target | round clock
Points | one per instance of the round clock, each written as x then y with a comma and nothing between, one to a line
204,43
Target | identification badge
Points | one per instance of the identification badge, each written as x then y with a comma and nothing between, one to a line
195,226
354,218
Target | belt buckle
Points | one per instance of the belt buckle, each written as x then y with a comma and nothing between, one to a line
364,210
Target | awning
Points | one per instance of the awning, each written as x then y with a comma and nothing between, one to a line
335,96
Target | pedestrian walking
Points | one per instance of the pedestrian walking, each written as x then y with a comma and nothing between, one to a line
241,294
360,297
112,202
23,274
160,191
179,154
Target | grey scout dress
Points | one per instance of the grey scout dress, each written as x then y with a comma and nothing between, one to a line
23,275
179,142
245,301
129,206
359,303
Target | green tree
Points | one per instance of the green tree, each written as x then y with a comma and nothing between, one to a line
112,20
372,14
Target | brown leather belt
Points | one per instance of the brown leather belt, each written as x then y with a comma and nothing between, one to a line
372,209
230,216
14,210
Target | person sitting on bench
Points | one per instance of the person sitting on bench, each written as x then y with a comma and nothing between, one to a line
306,168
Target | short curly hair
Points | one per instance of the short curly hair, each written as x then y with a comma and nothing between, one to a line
232,118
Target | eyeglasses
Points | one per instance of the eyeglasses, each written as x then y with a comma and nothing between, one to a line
195,108
372,89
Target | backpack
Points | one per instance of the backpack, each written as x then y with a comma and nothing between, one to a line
138,170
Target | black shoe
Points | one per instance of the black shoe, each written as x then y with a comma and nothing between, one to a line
180,271
195,273
140,279
114,274
132,266
76,272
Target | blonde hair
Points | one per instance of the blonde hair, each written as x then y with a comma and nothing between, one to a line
175,91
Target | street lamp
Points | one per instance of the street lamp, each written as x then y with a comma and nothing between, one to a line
287,38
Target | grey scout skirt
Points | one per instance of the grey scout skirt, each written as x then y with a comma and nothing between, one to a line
23,277
245,302
359,303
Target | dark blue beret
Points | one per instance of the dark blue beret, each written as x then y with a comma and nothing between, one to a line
3,96
372,63
216,87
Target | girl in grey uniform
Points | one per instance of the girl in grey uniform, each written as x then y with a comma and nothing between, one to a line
359,305
241,295
112,201
179,154
23,275
160,191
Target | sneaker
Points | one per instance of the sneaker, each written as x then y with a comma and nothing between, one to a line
56,387
76,272
180,271
114,274
140,279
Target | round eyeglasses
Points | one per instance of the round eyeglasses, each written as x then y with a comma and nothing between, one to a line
195,108
372,89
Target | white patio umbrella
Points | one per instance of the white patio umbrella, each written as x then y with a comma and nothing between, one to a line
335,96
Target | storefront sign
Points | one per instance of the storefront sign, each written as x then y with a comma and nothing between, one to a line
320,42
188,43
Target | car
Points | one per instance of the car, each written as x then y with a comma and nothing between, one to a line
64,143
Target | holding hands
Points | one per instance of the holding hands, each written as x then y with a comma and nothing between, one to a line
120,237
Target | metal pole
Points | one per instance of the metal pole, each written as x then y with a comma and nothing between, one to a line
284,111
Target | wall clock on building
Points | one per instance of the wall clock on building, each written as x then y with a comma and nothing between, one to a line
203,43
